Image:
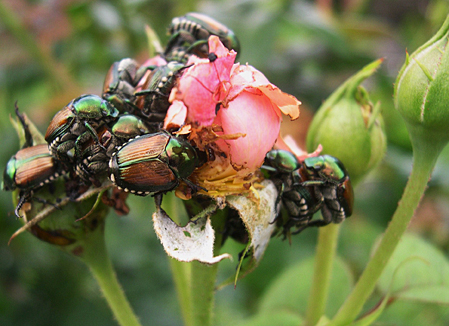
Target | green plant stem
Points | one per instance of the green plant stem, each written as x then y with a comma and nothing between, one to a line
202,292
324,259
195,282
181,276
95,255
203,279
180,270
425,156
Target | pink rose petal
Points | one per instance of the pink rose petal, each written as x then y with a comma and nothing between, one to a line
244,77
206,83
255,116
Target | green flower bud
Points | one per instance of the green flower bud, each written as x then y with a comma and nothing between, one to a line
349,126
64,222
421,90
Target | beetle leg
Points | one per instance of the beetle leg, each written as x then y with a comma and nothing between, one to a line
84,137
61,151
22,200
158,200
172,42
196,44
92,131
81,139
46,202
194,187
299,230
309,183
149,91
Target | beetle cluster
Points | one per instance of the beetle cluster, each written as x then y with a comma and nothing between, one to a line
119,135
317,183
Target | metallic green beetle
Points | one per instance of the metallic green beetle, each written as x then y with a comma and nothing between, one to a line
318,183
95,157
75,124
153,163
29,169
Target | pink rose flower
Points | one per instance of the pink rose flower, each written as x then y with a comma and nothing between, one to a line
239,100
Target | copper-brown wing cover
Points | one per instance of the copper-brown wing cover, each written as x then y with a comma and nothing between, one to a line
139,163
38,165
61,118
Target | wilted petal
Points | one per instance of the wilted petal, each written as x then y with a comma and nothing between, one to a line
245,77
288,143
195,241
288,104
258,217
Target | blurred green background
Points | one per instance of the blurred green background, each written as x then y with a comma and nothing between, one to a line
54,51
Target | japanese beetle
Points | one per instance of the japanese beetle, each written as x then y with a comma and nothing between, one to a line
157,88
190,33
153,163
95,157
318,183
29,169
330,180
299,201
119,84
76,123
129,126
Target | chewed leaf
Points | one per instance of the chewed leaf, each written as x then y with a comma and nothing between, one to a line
257,219
195,241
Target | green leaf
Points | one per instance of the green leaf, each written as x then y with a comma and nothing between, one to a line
417,271
430,293
414,313
291,289
278,318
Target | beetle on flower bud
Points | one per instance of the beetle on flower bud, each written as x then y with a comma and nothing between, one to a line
29,169
76,123
95,156
153,163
